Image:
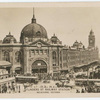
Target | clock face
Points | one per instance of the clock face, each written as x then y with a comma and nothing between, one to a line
39,45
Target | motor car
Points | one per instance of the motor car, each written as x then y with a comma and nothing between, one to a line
68,85
27,79
60,84
46,81
65,83
55,78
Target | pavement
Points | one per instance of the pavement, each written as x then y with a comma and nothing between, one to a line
46,88
2,81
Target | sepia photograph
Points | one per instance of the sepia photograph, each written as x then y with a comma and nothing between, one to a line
49,50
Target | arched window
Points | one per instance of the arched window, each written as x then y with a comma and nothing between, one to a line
18,57
60,59
38,33
30,39
54,58
6,56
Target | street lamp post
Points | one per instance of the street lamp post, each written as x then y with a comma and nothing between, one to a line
87,76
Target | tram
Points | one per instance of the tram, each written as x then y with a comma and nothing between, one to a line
26,79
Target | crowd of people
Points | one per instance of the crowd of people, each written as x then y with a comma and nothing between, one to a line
95,75
91,75
10,88
89,89
48,76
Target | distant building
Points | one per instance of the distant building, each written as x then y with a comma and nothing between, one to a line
36,53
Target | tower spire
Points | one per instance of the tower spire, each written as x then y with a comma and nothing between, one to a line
9,33
91,32
33,19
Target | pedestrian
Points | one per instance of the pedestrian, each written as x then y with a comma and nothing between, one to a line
9,88
16,89
19,88
82,91
24,87
0,88
13,88
77,91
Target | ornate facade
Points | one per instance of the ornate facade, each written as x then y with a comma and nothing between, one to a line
36,53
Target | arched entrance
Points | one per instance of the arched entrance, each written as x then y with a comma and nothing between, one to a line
39,66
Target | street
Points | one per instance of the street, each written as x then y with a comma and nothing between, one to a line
46,88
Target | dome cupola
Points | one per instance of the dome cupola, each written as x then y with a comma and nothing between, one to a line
33,31
9,39
54,39
76,43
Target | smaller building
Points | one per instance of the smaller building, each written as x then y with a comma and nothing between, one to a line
6,79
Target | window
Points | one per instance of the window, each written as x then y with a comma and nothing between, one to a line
54,58
6,56
41,51
45,51
37,51
38,33
32,51
60,57
29,53
30,39
18,57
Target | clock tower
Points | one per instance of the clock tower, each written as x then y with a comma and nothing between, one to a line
91,39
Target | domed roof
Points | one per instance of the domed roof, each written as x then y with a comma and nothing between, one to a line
54,38
33,30
81,45
9,38
76,43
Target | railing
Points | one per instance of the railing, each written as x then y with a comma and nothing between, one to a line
5,76
7,80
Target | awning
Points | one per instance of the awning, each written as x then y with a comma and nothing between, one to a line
81,73
64,69
86,65
18,68
4,64
97,67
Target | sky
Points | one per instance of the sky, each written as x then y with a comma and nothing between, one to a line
68,23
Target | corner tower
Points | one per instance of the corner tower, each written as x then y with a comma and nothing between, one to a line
91,39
